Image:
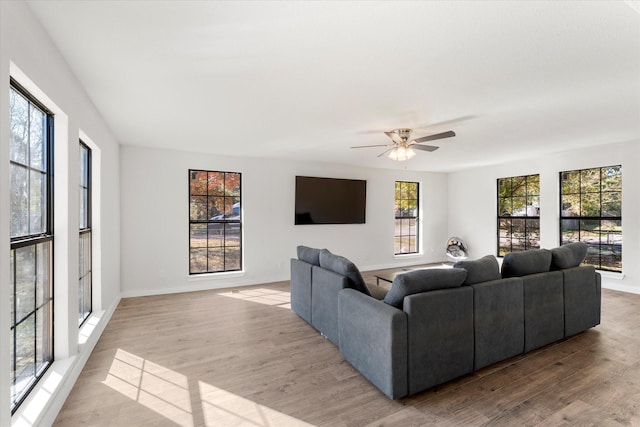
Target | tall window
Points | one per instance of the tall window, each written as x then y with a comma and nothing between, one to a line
591,201
84,286
406,235
518,213
31,254
215,222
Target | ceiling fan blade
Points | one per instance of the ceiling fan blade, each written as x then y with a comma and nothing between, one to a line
447,134
370,132
385,152
447,122
425,147
369,146
394,137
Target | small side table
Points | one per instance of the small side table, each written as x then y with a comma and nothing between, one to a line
388,276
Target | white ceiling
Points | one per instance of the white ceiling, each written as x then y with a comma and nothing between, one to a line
307,80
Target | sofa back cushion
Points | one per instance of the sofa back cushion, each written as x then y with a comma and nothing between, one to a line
527,262
416,281
341,265
310,255
480,270
568,256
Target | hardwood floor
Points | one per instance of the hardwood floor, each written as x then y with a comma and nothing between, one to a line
242,357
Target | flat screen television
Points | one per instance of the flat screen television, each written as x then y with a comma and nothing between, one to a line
330,200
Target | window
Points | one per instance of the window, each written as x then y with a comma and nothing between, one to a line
406,234
215,222
518,213
84,286
591,212
31,253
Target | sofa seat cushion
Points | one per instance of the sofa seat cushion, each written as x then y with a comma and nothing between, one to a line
527,262
310,255
416,281
480,270
568,256
341,265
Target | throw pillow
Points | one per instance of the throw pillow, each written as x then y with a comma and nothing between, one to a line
480,270
310,255
341,265
417,281
568,256
527,262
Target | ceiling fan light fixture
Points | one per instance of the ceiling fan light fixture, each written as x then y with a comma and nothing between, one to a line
401,153
402,148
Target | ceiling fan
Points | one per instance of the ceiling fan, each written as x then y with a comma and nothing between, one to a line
402,147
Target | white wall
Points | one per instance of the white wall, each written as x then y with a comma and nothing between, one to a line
472,202
28,55
155,219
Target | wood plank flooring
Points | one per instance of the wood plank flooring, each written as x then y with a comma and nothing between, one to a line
241,357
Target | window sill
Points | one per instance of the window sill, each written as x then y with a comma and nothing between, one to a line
209,276
88,327
611,275
41,397
404,256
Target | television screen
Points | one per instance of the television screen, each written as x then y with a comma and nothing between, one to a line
330,200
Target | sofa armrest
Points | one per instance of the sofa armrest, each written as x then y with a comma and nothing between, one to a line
373,338
582,299
325,286
301,288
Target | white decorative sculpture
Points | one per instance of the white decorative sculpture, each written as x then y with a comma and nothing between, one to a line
457,249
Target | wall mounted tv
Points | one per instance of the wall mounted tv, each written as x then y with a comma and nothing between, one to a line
330,200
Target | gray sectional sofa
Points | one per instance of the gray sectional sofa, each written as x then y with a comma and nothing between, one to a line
438,324
317,276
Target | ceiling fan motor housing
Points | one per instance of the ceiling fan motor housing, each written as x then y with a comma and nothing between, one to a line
403,133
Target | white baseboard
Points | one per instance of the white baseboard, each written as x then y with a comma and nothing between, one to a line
618,282
200,285
621,288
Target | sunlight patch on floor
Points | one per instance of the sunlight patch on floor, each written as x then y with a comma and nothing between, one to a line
168,393
222,408
159,389
262,296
